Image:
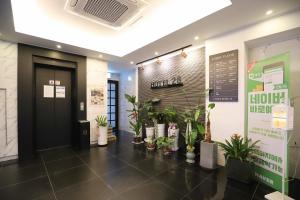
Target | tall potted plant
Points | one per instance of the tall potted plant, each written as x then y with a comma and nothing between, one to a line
102,130
239,157
135,120
173,129
194,129
208,149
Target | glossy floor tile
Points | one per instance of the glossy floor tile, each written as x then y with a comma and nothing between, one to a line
121,171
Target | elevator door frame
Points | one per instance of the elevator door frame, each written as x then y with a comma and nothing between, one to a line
59,66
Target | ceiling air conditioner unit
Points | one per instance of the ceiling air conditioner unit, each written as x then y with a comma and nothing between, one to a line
112,13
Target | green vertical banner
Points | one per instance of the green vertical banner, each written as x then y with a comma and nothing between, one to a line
268,85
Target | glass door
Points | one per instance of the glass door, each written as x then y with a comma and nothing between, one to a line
112,103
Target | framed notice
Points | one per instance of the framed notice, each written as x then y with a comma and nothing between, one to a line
60,92
223,77
97,96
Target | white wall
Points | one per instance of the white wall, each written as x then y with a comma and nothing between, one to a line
8,80
293,47
96,78
126,87
229,118
114,76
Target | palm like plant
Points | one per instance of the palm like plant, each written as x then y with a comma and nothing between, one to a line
134,118
238,148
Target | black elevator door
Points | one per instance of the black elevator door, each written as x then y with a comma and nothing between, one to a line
53,107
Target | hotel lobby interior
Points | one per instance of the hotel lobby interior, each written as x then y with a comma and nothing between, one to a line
149,99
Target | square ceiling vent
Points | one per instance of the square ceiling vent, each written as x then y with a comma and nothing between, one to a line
111,13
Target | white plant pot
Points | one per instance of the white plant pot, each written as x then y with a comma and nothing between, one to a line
150,132
190,157
102,135
175,134
160,130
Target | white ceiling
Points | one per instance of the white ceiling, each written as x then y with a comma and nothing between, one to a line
241,13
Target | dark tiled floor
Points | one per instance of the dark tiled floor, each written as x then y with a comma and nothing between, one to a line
120,171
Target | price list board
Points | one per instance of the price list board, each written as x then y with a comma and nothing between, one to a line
223,77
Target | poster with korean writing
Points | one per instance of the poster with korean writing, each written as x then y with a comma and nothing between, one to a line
268,85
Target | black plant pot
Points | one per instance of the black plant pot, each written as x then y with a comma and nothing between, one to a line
239,171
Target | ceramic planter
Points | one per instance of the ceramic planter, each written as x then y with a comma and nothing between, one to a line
102,136
190,157
166,151
208,155
150,147
150,132
175,134
239,171
161,130
137,140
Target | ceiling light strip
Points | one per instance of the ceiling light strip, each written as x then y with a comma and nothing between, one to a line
180,49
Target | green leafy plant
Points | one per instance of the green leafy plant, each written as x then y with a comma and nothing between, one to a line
160,117
164,142
101,121
170,114
149,113
238,148
195,128
135,120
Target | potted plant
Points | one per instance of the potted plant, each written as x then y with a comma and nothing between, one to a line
173,129
165,144
149,115
160,117
102,130
150,143
194,129
135,120
208,148
239,157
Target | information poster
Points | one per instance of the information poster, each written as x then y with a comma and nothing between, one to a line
60,92
268,85
48,91
223,77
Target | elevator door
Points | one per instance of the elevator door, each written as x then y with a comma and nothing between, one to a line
53,111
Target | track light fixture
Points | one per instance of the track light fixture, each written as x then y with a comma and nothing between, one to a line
158,61
183,54
142,67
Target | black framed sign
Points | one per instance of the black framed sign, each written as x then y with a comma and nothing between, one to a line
223,77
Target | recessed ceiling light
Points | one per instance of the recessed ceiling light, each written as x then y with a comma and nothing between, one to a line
269,12
131,62
100,56
156,53
196,38
58,46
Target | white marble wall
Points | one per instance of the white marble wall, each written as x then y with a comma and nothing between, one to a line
8,80
126,87
96,78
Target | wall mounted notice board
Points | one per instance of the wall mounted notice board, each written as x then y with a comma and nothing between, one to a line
223,77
